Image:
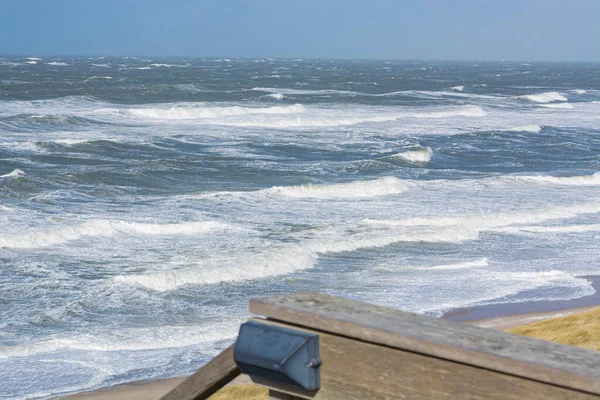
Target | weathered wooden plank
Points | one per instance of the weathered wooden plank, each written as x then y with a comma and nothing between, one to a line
552,363
208,379
354,369
275,395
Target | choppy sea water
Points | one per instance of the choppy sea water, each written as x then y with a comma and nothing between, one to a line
144,201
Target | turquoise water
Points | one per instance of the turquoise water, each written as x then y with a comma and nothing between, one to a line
144,201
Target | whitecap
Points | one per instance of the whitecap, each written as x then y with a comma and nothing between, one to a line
547,97
479,263
14,174
276,96
558,105
97,77
526,128
358,189
472,111
416,156
212,112
58,64
580,180
99,228
458,88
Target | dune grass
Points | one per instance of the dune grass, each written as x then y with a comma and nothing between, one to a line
246,391
581,330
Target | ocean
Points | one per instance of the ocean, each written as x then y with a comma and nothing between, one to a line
143,201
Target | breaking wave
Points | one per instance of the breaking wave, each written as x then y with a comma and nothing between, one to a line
128,339
526,128
416,156
14,174
96,228
472,111
547,97
294,257
360,189
479,263
211,112
581,180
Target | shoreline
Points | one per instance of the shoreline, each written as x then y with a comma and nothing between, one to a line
489,312
494,316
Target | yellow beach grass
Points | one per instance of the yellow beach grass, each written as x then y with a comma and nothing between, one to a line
581,330
241,392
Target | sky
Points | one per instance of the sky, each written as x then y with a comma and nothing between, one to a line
552,30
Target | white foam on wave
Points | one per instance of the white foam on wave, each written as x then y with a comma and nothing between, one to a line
458,88
58,64
284,260
547,97
160,65
276,96
306,92
97,77
132,339
70,142
582,228
31,62
34,59
526,128
579,91
471,111
212,112
358,189
479,263
480,223
558,105
309,122
144,68
101,65
581,180
17,173
98,228
416,156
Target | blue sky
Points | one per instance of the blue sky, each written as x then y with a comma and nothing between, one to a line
558,30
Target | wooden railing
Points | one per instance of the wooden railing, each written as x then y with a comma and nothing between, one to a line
371,352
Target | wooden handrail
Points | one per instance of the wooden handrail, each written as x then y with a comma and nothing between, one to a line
207,380
547,362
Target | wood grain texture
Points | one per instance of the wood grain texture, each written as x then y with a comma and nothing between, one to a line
547,362
353,369
208,379
274,395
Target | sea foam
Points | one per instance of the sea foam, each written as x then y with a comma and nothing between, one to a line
98,228
581,180
14,174
212,112
526,128
416,156
471,111
358,189
547,97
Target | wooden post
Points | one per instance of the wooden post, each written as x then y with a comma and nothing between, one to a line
207,380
